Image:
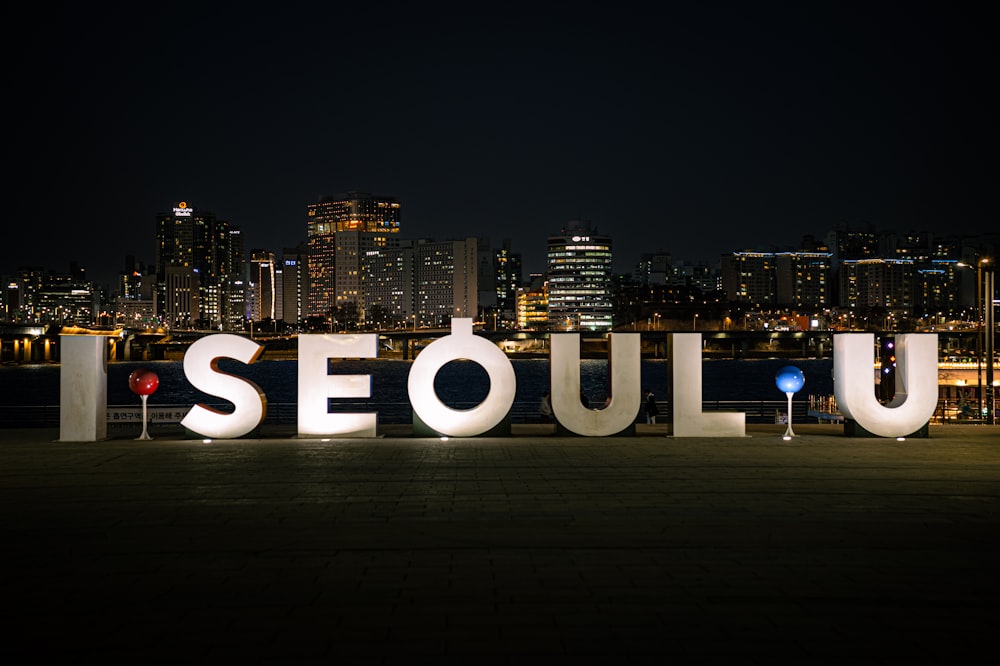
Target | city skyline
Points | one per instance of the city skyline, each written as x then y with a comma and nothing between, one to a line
964,242
696,130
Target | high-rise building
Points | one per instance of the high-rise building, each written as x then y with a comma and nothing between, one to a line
134,305
235,297
447,281
389,287
788,279
938,288
66,299
352,251
877,283
802,279
23,294
264,284
508,279
846,243
294,284
336,259
654,268
533,305
194,255
579,279
749,277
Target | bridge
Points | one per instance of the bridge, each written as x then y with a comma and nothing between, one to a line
40,344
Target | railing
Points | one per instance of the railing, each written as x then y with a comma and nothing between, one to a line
40,416
948,411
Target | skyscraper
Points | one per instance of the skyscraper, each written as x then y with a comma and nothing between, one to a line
447,280
294,284
508,279
262,279
340,230
389,287
579,279
194,267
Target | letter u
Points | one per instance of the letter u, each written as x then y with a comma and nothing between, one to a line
624,367
916,382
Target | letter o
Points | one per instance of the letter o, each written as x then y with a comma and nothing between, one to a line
461,345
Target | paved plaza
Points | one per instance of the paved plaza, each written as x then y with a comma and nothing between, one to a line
531,549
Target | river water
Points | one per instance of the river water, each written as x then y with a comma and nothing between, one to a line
459,384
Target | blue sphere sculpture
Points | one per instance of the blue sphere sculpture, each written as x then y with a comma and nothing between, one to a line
790,379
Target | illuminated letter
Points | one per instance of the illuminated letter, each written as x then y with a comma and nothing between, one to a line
201,367
688,420
624,370
316,387
461,344
916,383
83,388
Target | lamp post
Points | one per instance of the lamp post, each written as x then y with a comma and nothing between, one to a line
988,291
979,333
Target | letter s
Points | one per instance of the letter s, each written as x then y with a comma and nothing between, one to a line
201,367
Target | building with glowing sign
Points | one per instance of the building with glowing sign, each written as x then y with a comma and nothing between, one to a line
579,279
197,268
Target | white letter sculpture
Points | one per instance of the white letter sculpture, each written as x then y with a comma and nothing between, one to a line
624,364
916,383
461,344
201,367
83,388
688,420
316,387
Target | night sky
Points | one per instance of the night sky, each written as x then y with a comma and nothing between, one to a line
698,130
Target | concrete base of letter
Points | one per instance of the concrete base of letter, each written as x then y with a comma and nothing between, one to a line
853,429
421,429
563,431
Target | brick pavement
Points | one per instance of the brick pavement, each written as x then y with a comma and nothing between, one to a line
528,549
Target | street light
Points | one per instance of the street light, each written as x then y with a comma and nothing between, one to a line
988,292
695,322
980,315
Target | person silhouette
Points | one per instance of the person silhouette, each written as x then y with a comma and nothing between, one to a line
545,408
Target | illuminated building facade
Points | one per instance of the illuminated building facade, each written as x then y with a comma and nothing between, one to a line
22,295
182,294
235,313
508,279
787,279
134,306
294,284
66,299
749,277
335,259
263,283
938,287
446,281
196,268
533,306
352,251
579,279
802,279
389,287
877,283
